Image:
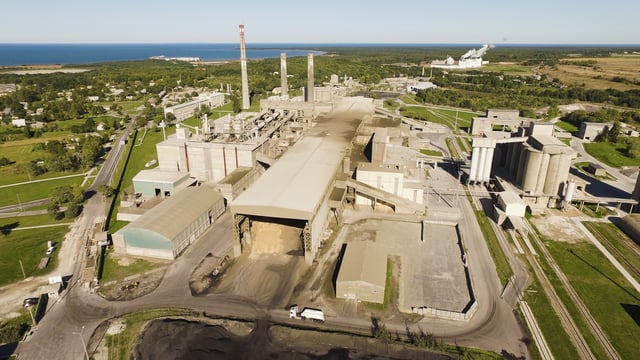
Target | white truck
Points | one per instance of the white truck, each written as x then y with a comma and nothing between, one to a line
307,313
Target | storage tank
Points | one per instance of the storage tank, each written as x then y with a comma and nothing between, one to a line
532,169
550,187
571,189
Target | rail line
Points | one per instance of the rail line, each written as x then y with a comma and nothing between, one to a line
595,328
619,255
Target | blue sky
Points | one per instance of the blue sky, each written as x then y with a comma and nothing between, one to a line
321,21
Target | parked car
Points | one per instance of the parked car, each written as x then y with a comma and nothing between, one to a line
28,302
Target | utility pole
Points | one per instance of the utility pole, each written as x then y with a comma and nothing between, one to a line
22,268
455,128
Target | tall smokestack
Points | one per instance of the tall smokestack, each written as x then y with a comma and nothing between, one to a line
310,78
283,74
246,103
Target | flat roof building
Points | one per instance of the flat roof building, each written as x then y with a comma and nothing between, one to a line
363,272
155,182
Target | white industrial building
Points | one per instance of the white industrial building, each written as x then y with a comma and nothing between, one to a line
363,271
219,147
155,182
188,109
511,204
166,230
389,178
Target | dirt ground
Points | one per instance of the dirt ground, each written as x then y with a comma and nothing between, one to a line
207,273
180,339
133,287
559,225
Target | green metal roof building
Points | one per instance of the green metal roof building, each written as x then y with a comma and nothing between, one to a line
166,230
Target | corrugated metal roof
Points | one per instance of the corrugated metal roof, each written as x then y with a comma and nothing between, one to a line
294,186
364,261
173,215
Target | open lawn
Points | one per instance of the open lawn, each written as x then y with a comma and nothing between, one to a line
20,152
612,155
35,220
113,271
508,68
28,246
567,126
610,299
34,191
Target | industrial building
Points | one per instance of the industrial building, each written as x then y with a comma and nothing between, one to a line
590,130
166,230
298,187
362,274
532,159
155,182
469,60
189,108
390,178
508,119
219,147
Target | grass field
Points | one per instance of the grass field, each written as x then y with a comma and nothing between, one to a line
601,74
508,68
113,271
34,191
557,339
610,299
20,151
35,220
28,246
431,152
612,155
500,260
567,126
624,248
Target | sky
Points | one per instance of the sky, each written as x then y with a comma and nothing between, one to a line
321,21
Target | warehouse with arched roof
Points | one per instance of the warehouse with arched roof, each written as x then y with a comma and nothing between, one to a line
166,230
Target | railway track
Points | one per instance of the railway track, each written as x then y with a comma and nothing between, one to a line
619,255
593,325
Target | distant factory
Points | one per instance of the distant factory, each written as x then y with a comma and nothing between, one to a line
469,60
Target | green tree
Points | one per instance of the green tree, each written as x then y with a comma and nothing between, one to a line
54,211
73,210
106,190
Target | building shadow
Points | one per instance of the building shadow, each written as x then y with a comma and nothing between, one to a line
634,312
604,275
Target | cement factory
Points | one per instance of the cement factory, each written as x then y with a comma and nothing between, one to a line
315,163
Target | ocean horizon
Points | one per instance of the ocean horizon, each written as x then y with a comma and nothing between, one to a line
17,54
82,54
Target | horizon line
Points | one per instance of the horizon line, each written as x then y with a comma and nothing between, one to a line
328,43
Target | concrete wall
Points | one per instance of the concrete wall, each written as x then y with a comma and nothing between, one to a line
360,290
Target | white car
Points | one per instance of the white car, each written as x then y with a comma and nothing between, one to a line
50,250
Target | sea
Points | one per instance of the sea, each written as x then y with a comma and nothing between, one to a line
66,54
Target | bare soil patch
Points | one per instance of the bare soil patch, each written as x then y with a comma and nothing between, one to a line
133,287
559,227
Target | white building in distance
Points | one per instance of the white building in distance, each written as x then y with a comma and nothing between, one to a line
188,109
